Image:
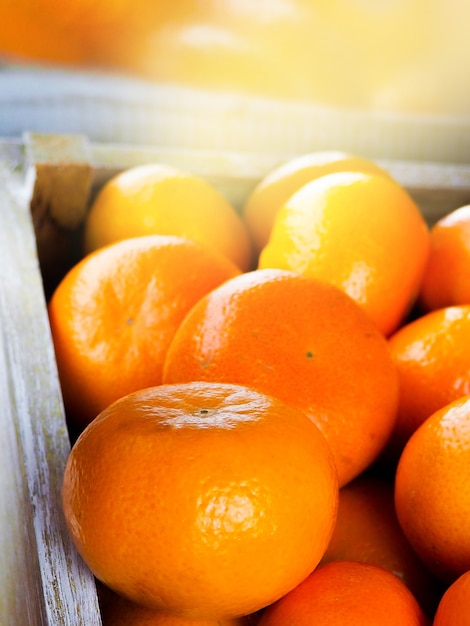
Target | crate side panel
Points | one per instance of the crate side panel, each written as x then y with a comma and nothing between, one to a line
21,598
67,587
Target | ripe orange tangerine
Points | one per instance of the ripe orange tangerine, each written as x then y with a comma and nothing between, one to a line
367,530
157,199
431,357
432,490
304,341
347,592
114,314
446,281
205,500
359,231
264,202
453,607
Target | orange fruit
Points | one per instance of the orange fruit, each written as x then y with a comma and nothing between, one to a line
446,281
78,32
432,490
163,200
454,605
361,232
303,341
347,592
367,530
205,500
283,181
119,611
114,314
27,31
433,364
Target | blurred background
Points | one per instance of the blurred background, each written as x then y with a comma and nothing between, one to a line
387,78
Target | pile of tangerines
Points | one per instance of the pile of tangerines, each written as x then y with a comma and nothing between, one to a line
269,409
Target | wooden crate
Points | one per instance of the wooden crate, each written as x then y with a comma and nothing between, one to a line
46,184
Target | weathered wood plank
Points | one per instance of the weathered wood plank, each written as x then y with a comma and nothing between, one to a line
21,597
60,169
43,580
437,188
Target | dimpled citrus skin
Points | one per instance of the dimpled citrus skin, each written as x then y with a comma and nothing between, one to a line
280,183
347,592
304,341
453,607
114,314
164,200
431,357
446,281
203,499
432,490
363,233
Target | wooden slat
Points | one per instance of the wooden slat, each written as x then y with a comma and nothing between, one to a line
437,188
43,580
60,169
70,162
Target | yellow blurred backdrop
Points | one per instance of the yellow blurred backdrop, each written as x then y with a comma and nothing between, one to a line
401,56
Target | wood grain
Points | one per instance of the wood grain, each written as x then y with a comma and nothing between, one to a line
60,171
43,581
436,188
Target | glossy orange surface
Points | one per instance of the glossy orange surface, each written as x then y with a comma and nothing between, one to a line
453,608
304,341
446,281
359,231
280,183
203,499
162,200
346,592
432,490
432,360
114,314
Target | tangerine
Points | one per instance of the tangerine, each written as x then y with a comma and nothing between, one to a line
163,200
206,500
453,607
432,490
360,231
114,314
446,281
300,339
264,202
347,592
431,357
28,32
367,530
